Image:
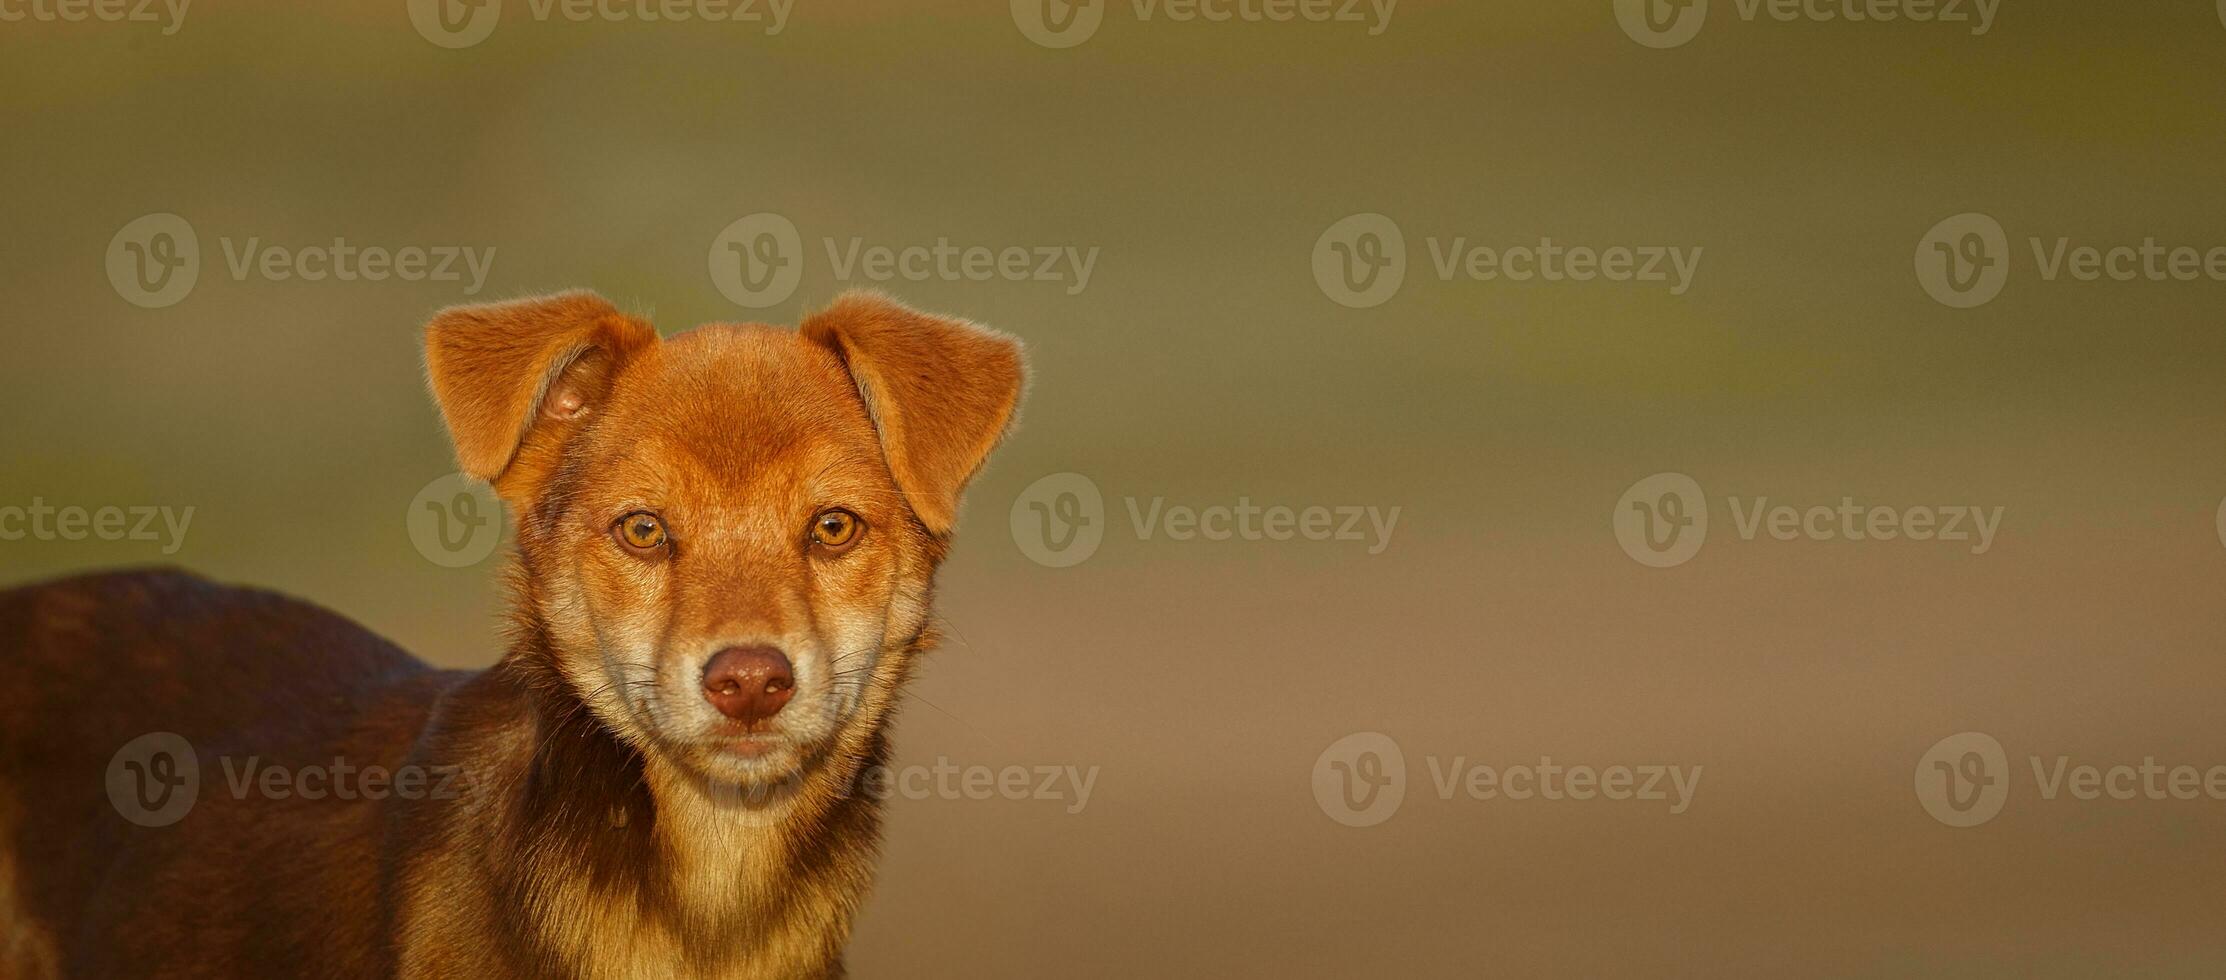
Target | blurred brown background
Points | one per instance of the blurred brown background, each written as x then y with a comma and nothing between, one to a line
1202,363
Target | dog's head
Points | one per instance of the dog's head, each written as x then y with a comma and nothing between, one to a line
727,539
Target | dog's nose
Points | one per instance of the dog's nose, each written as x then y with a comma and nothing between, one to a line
748,684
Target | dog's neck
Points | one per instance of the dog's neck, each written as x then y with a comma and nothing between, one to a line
605,859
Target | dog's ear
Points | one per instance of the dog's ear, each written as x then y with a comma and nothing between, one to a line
940,391
510,377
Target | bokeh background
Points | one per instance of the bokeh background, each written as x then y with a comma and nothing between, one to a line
1202,364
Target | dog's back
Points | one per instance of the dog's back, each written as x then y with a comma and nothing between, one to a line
247,679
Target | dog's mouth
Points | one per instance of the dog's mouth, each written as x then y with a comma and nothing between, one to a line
771,764
727,751
750,745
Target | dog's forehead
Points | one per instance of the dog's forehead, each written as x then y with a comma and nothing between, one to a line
762,375
745,398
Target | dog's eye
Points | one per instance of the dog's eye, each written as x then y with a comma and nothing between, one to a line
836,529
640,532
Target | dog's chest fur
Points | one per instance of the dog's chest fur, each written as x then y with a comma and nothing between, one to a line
604,863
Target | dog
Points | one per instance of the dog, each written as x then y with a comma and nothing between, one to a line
726,545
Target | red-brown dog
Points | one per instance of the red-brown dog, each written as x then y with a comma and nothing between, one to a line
726,548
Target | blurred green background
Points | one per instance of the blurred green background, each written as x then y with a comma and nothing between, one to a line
1202,363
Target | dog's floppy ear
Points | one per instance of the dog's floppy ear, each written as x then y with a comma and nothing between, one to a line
940,391
504,372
